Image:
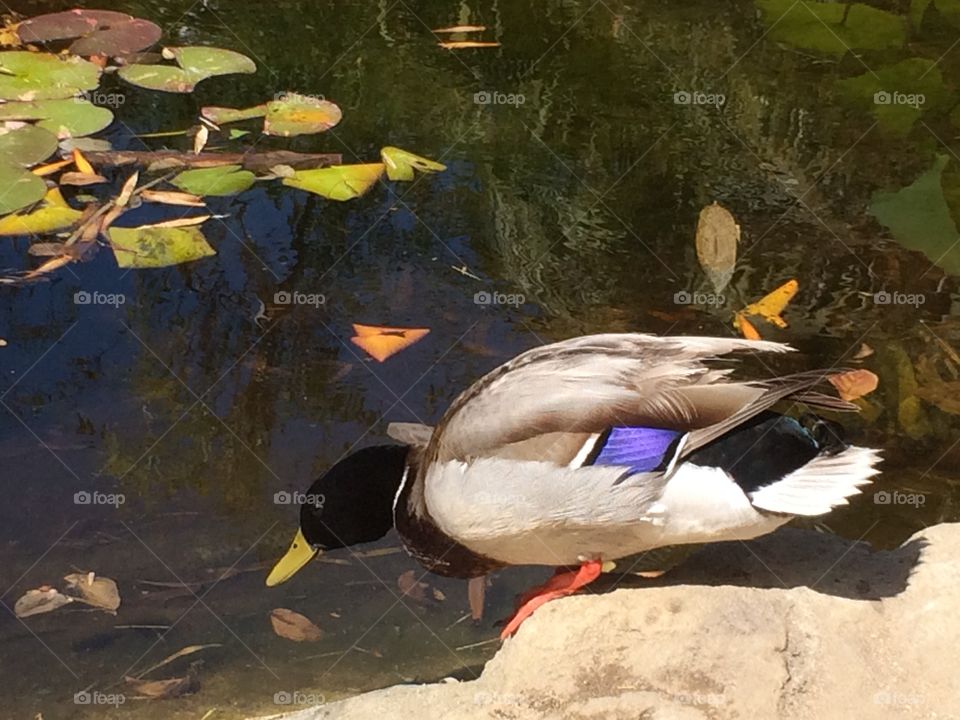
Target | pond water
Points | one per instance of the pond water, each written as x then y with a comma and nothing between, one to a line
579,155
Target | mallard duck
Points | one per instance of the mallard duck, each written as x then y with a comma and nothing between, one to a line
585,451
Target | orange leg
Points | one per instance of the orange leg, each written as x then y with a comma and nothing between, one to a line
563,583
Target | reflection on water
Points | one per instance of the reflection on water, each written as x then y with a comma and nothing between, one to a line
201,397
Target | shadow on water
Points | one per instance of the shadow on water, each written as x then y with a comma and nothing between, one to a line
202,397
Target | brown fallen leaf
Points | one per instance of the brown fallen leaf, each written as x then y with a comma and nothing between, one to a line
854,384
438,594
39,601
461,29
294,626
47,249
463,44
188,650
200,139
382,342
476,592
171,197
180,222
100,592
865,351
409,586
716,240
81,178
161,689
127,190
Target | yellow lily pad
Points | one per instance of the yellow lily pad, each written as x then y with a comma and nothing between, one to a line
341,182
400,164
150,247
53,214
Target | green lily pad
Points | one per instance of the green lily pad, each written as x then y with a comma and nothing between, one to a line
42,76
400,164
898,95
73,117
235,133
340,182
195,64
152,247
919,218
300,115
20,187
27,145
832,28
215,181
53,214
224,115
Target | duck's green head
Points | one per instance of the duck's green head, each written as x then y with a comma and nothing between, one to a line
351,503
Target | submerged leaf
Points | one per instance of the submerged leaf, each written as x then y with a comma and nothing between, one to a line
400,164
854,384
717,238
100,592
294,626
340,182
215,181
382,342
832,28
150,247
160,689
770,306
39,601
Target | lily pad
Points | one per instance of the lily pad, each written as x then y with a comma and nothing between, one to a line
42,76
400,164
899,94
27,145
20,187
196,63
53,214
152,247
98,32
919,218
216,181
341,182
223,115
300,115
71,117
832,28
121,38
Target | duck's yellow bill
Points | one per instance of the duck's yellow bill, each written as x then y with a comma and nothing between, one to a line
299,554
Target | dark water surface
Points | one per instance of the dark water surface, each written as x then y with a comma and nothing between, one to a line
200,397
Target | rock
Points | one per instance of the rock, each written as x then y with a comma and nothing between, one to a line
797,624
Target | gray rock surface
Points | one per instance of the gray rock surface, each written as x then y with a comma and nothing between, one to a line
794,625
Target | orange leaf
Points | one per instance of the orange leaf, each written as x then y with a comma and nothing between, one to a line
382,342
459,44
294,626
461,29
83,165
745,327
854,384
770,306
51,167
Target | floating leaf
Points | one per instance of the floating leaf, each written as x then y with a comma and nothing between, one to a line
83,165
464,44
20,187
188,650
150,247
234,133
39,601
340,182
745,327
101,592
169,197
400,164
200,139
864,352
26,145
160,689
832,28
854,384
53,214
461,29
215,181
48,249
180,222
121,38
409,586
223,115
770,306
382,342
70,117
67,25
42,76
49,169
899,94
299,115
294,626
717,238
80,179
195,64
